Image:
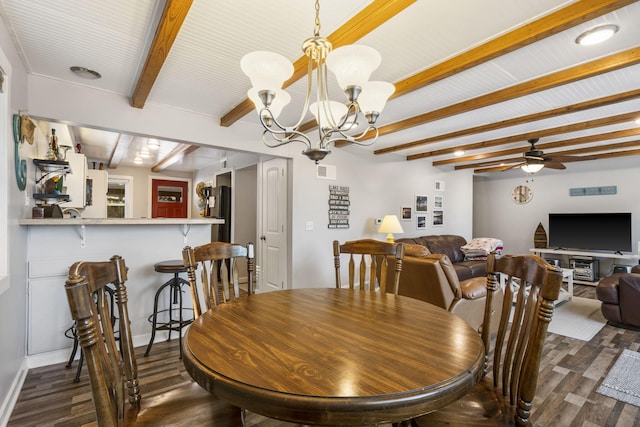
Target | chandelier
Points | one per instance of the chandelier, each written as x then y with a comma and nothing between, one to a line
352,66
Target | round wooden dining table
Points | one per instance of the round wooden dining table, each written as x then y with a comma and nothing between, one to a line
327,356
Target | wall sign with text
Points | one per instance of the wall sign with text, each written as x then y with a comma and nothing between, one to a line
338,206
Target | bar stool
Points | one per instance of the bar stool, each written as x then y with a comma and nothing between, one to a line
174,267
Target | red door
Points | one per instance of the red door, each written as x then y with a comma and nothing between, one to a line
169,199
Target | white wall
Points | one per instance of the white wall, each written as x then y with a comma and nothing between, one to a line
378,185
12,300
496,215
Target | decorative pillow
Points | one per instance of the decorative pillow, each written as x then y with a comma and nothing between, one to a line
480,247
414,250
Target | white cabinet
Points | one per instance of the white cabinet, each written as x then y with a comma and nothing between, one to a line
75,182
96,203
48,309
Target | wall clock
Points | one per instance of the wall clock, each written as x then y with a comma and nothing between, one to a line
521,194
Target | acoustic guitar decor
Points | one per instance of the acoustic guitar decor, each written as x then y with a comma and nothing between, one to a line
540,237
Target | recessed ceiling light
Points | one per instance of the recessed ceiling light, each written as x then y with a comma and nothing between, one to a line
638,121
85,73
459,153
597,34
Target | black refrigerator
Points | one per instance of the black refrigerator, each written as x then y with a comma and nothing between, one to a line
220,203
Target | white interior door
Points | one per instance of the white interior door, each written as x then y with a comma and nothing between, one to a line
273,236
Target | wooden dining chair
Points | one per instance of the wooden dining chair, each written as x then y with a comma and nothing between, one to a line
113,369
371,257
219,272
506,396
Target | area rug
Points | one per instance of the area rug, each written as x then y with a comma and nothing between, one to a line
578,318
623,382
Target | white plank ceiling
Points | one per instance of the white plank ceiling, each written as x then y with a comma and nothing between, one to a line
202,72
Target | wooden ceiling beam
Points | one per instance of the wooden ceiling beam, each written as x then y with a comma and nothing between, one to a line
588,124
175,155
558,144
549,25
120,150
574,108
367,20
174,14
549,81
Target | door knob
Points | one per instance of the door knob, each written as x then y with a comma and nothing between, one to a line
263,237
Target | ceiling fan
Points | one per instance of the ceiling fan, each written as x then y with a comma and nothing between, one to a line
534,160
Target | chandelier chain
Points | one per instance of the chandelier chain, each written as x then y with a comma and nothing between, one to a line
316,28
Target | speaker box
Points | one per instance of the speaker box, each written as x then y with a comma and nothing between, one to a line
621,269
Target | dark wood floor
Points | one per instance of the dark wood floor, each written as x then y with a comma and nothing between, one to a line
571,371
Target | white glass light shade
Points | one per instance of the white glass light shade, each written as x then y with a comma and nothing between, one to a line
390,225
532,167
374,96
280,100
267,70
336,109
597,35
353,64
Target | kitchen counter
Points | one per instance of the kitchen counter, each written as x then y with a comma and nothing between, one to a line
120,221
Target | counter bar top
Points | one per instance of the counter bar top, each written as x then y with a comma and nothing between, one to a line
120,221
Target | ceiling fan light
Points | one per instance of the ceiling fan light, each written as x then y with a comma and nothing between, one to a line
597,35
532,167
353,64
266,70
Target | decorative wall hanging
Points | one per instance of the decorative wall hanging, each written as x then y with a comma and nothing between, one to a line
23,130
540,237
338,207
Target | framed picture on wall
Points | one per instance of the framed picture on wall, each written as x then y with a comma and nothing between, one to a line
421,203
438,217
406,213
437,202
421,223
439,185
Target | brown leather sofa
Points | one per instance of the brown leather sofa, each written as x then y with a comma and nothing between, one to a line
449,245
620,296
432,278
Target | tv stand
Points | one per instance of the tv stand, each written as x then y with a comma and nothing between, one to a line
617,255
613,257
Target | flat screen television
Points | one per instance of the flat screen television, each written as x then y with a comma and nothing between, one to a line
590,231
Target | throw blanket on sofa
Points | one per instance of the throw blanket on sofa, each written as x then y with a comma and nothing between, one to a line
480,247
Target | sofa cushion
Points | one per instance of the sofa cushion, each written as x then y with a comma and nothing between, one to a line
469,269
474,288
412,249
629,287
447,244
607,289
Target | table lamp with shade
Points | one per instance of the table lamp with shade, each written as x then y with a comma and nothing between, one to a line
390,225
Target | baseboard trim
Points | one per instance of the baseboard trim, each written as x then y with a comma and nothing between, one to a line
14,392
59,356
